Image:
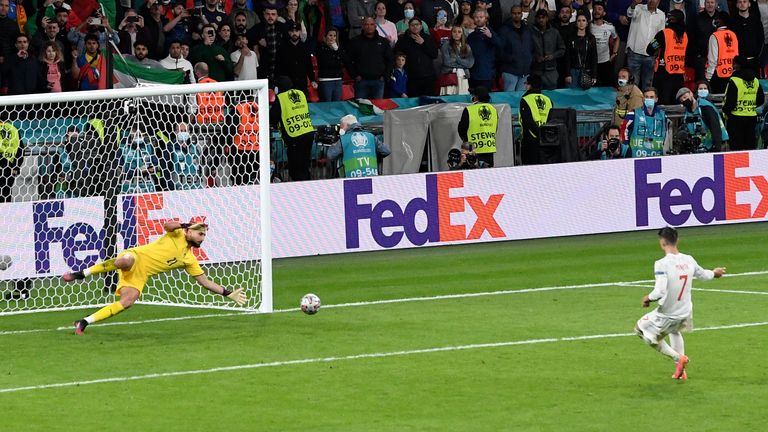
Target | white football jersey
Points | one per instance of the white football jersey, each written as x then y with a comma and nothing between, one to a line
674,281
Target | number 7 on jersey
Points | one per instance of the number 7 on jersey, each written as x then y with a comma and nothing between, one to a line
683,278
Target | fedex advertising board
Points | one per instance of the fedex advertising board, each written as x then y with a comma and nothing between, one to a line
48,238
351,215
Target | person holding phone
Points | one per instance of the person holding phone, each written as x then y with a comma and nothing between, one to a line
220,66
131,30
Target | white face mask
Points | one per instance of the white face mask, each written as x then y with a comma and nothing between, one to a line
622,82
183,136
138,140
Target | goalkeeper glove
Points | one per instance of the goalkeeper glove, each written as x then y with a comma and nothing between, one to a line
237,296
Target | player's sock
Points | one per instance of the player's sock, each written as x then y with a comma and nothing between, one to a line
80,326
667,350
105,312
676,342
102,267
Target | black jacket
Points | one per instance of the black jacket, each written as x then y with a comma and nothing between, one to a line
749,33
699,30
330,63
8,31
294,62
370,57
420,58
22,76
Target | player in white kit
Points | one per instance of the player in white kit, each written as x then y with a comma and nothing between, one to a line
674,281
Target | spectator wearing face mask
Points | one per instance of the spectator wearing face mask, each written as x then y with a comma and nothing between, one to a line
139,163
186,172
409,11
628,96
702,120
646,127
441,32
429,10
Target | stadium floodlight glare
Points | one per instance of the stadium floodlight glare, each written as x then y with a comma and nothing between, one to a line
102,170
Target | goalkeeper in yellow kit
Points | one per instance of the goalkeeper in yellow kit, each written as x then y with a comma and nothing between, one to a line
136,265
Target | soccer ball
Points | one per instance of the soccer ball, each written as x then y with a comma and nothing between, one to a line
310,304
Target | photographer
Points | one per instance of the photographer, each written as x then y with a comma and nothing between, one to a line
464,158
358,149
701,122
611,147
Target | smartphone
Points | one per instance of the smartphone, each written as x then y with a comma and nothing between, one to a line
94,21
132,19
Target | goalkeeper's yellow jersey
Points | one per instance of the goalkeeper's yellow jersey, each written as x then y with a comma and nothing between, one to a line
169,252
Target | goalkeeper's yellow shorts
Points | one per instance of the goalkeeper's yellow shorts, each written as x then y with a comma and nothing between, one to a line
135,277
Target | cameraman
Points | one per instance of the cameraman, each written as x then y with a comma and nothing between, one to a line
701,121
611,147
464,158
358,149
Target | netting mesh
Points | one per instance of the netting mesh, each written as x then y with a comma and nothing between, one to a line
85,180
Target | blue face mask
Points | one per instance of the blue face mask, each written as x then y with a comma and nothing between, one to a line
442,16
650,103
409,13
183,136
703,93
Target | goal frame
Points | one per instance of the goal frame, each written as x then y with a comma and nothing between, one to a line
261,89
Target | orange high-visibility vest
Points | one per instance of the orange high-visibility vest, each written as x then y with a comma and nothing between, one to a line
674,53
247,138
727,49
210,106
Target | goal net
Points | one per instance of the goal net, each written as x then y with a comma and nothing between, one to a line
86,175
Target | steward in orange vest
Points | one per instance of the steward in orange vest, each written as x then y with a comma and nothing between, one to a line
210,106
245,154
723,48
668,46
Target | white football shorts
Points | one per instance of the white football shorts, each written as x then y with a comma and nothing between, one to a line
656,326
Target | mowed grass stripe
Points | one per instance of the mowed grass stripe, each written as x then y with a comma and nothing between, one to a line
633,284
350,357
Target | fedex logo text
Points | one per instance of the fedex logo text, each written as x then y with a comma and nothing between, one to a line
677,201
82,245
389,222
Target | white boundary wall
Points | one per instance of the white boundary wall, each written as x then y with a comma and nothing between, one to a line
351,215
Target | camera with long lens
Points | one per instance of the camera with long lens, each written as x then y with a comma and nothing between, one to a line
454,159
471,161
327,134
685,142
455,163
613,145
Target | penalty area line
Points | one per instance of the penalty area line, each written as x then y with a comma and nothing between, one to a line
346,358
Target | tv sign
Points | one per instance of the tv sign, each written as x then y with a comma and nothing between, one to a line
678,201
389,222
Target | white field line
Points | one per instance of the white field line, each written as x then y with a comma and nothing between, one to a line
371,303
347,357
731,291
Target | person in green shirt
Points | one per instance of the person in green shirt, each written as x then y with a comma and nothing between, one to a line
220,66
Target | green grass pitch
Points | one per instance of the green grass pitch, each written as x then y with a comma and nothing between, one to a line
539,360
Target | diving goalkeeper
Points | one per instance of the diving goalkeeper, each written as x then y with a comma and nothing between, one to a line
136,265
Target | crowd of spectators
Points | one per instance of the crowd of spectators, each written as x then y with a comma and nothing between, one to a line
389,48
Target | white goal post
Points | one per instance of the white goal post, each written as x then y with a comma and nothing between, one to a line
85,175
